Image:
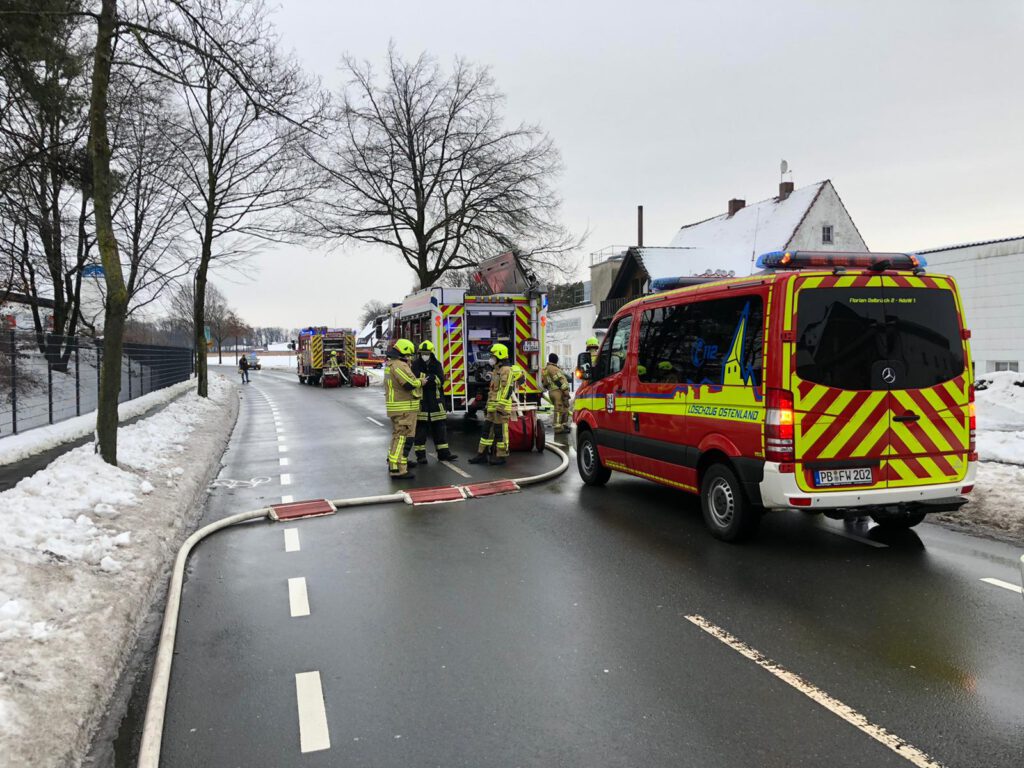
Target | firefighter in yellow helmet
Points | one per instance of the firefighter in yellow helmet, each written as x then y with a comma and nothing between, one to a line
557,385
592,347
432,416
499,408
402,392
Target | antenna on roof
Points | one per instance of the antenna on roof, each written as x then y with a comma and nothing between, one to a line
783,170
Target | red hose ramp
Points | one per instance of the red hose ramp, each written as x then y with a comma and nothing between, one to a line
439,495
493,488
297,509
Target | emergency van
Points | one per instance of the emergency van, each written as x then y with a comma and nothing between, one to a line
831,382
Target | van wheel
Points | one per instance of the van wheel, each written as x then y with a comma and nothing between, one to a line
727,513
588,462
898,522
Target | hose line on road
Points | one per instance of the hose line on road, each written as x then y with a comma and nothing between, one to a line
156,707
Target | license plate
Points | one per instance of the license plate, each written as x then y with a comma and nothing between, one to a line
860,476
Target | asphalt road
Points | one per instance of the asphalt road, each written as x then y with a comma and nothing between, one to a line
569,626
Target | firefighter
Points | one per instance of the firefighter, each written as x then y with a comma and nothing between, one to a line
592,347
557,386
402,392
431,417
499,408
666,373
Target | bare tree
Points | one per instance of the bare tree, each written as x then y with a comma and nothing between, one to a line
421,162
371,309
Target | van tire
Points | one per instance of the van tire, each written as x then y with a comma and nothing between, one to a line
898,522
588,461
728,513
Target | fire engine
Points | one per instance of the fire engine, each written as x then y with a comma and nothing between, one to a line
503,305
315,345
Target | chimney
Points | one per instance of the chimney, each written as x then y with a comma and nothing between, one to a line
736,205
639,226
785,189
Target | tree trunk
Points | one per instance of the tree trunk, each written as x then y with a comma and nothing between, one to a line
199,320
116,309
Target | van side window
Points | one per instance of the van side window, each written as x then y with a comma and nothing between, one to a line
612,357
663,346
720,341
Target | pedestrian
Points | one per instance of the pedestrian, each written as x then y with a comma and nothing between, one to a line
557,386
243,368
498,410
592,347
402,392
432,417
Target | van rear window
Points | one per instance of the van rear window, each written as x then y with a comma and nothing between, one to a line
878,338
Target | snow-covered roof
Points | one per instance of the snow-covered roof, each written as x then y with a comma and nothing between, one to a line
970,245
664,262
364,335
731,243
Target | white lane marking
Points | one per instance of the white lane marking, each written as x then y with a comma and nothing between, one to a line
284,461
280,431
309,694
1004,585
286,479
287,499
457,470
833,705
854,536
282,449
368,418
298,598
291,540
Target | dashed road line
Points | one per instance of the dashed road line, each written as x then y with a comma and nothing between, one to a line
291,540
832,704
309,695
284,461
282,449
286,479
287,499
1004,584
370,418
298,598
457,470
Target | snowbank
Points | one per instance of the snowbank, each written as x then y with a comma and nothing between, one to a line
84,549
1000,408
17,447
995,506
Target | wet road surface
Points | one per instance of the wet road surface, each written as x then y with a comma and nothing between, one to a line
558,626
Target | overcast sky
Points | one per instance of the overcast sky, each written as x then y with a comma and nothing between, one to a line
914,109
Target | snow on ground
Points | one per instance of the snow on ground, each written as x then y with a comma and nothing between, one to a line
84,550
17,447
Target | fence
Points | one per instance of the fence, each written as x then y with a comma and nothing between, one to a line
49,379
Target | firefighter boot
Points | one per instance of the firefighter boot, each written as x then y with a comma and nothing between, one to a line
421,456
496,461
480,458
447,455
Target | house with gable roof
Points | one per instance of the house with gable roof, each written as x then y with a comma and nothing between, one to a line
726,245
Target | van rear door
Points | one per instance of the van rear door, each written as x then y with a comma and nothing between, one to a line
879,377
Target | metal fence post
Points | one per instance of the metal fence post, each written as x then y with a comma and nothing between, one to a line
78,388
49,387
129,378
14,383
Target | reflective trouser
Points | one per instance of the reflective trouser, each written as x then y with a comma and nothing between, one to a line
560,400
434,423
403,426
495,434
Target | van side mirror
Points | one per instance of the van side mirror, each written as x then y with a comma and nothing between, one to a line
583,366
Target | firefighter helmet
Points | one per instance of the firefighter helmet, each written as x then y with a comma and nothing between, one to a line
664,365
426,346
592,342
405,347
500,351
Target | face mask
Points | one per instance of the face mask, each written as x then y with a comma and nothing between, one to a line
494,360
425,358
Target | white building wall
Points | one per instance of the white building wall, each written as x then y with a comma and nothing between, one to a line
567,334
827,209
991,281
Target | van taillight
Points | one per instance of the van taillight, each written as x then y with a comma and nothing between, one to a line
778,432
972,447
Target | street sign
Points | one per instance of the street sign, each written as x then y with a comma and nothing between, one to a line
93,270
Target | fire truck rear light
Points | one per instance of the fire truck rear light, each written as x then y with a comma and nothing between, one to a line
966,489
800,501
787,468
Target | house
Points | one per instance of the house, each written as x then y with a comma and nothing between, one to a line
570,324
990,275
726,245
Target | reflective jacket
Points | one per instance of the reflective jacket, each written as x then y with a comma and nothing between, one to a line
553,378
503,382
402,390
433,389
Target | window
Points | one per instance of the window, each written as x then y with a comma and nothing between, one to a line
856,338
1005,365
826,235
698,343
612,357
